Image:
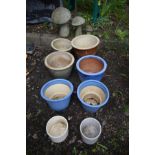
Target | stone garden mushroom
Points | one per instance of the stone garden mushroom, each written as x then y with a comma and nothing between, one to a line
89,29
61,16
78,22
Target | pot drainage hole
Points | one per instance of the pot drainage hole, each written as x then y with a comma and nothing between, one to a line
91,99
57,129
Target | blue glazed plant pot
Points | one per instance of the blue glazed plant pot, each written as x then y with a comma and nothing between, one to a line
91,67
93,95
57,93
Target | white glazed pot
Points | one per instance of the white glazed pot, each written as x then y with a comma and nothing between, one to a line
61,44
90,130
59,64
57,129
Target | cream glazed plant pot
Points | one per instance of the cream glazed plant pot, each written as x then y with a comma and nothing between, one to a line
61,44
59,64
57,129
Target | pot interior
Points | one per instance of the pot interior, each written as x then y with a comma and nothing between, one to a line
57,91
85,42
62,44
91,65
59,60
92,95
90,128
56,127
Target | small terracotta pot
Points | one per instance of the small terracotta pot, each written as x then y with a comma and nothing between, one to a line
59,64
85,45
61,44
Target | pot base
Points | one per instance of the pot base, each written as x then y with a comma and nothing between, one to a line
92,99
57,129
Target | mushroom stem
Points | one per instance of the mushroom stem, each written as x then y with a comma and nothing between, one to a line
78,31
64,30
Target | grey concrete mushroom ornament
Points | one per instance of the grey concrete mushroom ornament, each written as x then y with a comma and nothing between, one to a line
61,16
78,22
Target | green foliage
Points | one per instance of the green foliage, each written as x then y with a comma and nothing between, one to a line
106,35
83,153
74,151
99,148
121,34
86,16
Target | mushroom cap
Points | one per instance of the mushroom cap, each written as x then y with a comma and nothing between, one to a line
77,21
61,15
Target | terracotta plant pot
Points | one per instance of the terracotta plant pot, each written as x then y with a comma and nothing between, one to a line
85,45
61,44
93,95
91,67
59,64
57,129
90,130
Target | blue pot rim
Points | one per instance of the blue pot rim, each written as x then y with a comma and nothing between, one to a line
95,106
95,57
44,87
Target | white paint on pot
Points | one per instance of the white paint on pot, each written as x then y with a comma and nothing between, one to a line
90,130
57,129
92,95
61,44
85,42
57,91
59,63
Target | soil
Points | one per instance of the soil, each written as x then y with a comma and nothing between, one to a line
114,116
91,65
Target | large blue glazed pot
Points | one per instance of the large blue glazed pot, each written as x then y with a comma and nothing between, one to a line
88,75
95,92
57,93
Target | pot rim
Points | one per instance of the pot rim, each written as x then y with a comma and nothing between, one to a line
66,122
93,46
97,123
94,81
52,44
53,82
62,68
94,57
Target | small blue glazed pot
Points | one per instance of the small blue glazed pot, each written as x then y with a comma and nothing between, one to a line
92,89
57,93
91,76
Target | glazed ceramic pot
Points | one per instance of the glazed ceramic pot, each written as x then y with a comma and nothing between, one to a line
57,93
57,129
92,95
90,130
61,44
91,67
85,45
59,64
